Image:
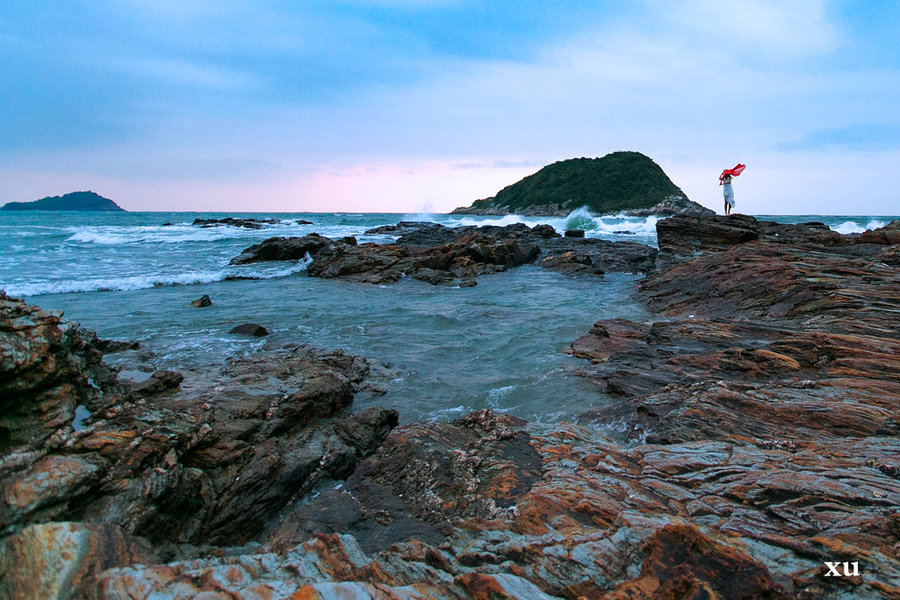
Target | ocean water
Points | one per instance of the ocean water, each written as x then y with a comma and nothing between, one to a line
445,350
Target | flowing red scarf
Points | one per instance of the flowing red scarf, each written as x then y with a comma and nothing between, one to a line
737,170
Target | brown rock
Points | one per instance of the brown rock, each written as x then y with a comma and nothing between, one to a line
62,560
202,302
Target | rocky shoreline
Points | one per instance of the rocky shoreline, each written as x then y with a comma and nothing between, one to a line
753,437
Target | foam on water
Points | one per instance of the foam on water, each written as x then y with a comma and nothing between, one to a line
854,227
450,350
607,226
138,282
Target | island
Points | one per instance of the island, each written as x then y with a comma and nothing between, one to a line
83,201
628,182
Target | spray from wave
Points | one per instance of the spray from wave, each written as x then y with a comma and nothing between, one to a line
854,227
607,226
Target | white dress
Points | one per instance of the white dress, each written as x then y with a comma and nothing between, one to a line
729,194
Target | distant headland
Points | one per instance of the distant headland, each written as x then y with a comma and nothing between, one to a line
86,201
627,182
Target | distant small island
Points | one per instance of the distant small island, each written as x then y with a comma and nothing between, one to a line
86,201
618,182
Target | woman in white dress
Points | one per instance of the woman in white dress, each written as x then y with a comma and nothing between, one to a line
729,194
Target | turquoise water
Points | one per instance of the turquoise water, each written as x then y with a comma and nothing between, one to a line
447,350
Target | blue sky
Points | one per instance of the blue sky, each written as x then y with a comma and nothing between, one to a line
411,105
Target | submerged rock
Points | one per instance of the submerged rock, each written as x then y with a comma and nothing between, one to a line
252,329
202,302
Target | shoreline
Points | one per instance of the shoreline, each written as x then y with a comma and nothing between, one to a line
756,439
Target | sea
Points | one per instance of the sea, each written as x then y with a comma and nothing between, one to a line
441,351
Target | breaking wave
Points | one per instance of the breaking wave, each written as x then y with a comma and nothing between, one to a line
854,227
137,282
580,218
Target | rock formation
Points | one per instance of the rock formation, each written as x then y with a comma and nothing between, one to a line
457,256
751,438
211,463
620,181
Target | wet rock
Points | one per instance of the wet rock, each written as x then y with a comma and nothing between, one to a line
232,222
591,256
252,329
440,255
116,346
282,248
887,235
212,462
574,233
158,382
202,302
48,367
461,260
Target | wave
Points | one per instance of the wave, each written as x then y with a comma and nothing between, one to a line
179,233
112,236
580,218
138,282
854,227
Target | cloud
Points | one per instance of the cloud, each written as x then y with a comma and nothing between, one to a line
868,137
769,28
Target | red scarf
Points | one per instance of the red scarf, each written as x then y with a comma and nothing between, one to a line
737,170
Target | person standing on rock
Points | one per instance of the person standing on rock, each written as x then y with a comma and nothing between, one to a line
729,193
725,180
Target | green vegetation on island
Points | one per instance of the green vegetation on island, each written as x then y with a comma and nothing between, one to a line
620,181
87,201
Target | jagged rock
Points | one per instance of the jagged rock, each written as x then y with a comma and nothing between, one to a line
252,329
202,302
213,462
686,235
574,233
462,259
158,382
887,235
282,248
231,221
48,367
60,560
438,255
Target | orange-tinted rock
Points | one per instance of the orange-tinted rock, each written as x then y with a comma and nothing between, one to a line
61,560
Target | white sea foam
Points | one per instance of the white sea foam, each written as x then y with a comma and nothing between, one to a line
854,227
137,282
580,218
179,233
110,236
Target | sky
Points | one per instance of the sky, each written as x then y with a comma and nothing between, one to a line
422,106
